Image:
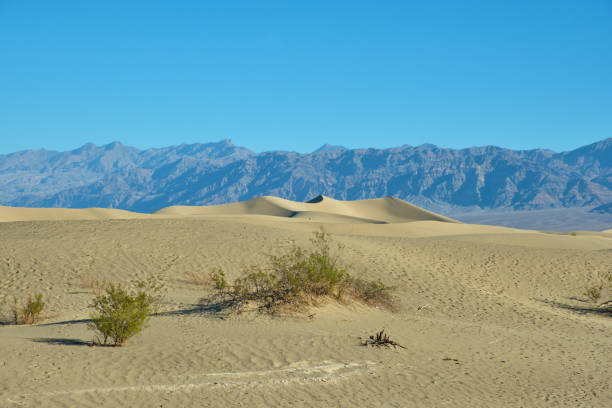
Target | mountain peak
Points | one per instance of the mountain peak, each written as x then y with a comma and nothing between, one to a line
113,145
329,148
85,148
226,142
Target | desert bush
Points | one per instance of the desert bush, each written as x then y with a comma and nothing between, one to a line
302,273
30,310
119,314
300,277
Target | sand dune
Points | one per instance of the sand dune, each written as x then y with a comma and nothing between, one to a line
321,209
490,316
381,210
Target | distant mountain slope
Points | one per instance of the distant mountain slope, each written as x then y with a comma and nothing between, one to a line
603,209
117,176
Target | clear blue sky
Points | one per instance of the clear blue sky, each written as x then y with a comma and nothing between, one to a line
292,75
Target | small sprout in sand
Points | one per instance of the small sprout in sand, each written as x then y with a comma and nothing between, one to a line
381,339
30,310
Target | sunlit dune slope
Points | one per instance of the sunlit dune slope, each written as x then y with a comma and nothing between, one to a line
9,214
324,209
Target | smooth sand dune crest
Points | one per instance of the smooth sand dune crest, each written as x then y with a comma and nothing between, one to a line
376,211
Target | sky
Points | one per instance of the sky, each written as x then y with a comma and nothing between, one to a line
289,75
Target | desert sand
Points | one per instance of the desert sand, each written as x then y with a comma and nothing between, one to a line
489,316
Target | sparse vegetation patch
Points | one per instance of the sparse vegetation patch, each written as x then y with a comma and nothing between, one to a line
29,311
299,278
594,292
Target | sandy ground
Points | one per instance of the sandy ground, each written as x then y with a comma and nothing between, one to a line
489,316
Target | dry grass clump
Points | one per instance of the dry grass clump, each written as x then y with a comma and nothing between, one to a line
89,282
373,293
299,278
30,310
120,314
200,278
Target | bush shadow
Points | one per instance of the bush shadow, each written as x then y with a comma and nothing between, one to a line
602,310
219,308
61,341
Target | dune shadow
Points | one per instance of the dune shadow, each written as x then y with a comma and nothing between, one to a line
61,341
604,310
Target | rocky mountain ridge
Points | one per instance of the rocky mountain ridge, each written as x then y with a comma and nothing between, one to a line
489,177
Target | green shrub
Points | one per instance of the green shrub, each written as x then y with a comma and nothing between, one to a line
30,310
303,273
119,314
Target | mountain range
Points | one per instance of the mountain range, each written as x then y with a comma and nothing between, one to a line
490,177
